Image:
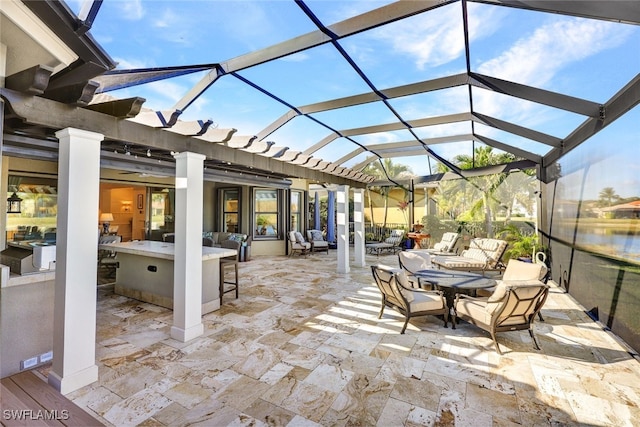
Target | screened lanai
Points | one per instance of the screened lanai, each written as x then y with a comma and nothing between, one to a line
326,90
550,88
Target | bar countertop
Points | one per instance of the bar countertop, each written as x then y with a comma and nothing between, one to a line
163,250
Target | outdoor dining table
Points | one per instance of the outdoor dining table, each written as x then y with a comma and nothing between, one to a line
454,282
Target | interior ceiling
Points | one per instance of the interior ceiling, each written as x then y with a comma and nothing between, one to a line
344,151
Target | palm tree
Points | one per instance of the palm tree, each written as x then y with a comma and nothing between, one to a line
383,170
607,197
485,185
484,156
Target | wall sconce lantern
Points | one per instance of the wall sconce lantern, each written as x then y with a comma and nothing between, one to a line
126,206
13,204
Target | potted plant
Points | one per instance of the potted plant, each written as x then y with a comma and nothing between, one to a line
521,245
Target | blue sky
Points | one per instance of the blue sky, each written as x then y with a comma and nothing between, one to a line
584,58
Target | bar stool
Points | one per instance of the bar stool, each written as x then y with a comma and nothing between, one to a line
229,263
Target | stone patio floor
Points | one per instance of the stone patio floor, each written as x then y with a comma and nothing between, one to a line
303,346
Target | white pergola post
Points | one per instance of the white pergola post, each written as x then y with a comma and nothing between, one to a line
342,219
358,227
74,318
187,269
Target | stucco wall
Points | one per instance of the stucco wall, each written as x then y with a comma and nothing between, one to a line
26,323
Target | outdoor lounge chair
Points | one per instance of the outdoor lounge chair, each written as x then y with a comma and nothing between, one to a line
390,244
317,241
482,255
298,244
446,245
512,307
397,293
413,261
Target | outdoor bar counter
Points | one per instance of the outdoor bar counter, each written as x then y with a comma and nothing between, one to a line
145,272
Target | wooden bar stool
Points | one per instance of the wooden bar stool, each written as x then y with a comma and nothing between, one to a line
226,264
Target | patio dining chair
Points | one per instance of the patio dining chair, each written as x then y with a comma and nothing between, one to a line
396,292
512,307
412,262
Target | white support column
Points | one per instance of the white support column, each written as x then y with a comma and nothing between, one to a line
358,227
74,318
342,219
187,268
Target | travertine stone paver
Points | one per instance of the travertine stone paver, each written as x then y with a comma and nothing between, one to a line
303,346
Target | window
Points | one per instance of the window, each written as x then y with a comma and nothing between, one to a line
230,216
266,213
38,219
297,198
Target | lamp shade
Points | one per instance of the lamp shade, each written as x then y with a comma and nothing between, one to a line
106,217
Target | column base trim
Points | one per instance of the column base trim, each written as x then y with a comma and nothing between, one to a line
184,335
75,381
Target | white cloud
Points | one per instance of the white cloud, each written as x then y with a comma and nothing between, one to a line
132,10
436,38
296,57
168,90
129,64
536,59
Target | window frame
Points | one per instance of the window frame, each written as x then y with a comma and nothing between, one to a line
222,212
278,213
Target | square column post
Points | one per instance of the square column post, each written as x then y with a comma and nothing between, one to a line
358,227
74,315
187,263
342,219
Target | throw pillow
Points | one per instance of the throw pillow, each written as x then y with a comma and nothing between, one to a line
317,235
299,237
237,237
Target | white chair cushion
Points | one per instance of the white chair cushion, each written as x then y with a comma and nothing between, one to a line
425,302
299,237
475,309
519,270
440,246
403,280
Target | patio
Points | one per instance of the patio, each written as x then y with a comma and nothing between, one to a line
303,346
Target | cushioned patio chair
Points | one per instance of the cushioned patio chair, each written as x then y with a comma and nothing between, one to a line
298,244
317,241
512,307
518,270
413,261
396,292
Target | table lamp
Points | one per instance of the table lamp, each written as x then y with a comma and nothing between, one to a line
105,219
